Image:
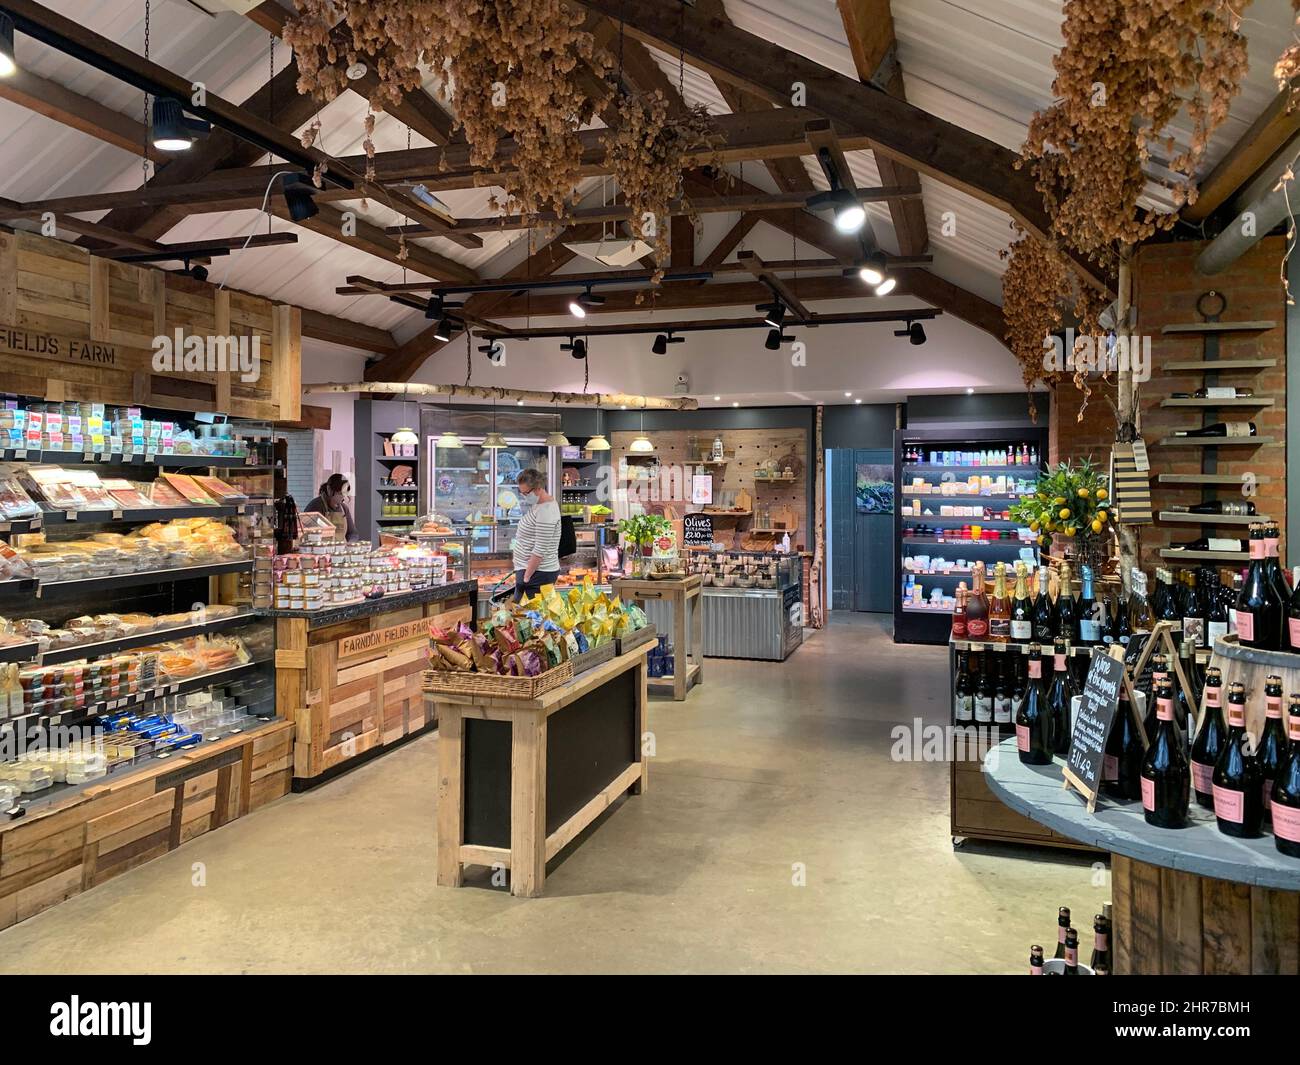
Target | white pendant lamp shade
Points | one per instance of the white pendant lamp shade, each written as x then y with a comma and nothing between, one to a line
598,443
494,442
641,445
405,436
557,439
449,439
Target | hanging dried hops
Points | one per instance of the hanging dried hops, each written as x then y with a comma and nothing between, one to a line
1287,68
1124,75
514,68
1035,287
646,154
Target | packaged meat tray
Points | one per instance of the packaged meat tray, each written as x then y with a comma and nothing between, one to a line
222,491
127,494
188,489
14,501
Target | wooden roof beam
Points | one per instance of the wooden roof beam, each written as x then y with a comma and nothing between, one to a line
782,291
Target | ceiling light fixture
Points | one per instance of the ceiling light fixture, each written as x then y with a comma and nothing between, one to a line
717,399
575,347
641,444
872,271
857,401
8,57
579,305
356,71
661,342
886,286
444,330
297,197
172,129
774,313
494,441
775,338
970,391
916,333
850,215
598,442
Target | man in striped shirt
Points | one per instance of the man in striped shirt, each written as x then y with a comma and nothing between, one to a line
537,543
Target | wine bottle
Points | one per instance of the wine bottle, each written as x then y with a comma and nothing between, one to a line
1285,800
1238,801
1166,780
1121,770
1089,625
1159,674
1058,704
1238,583
959,631
1071,953
1209,741
1035,960
1062,927
1193,613
1101,945
1000,607
1044,614
1272,541
1031,720
964,691
1140,618
1222,392
1022,608
1162,602
1002,694
1018,684
1216,606
1208,543
1123,623
1259,609
1293,613
1217,506
977,606
1067,617
1224,429
1109,623
984,691
1272,748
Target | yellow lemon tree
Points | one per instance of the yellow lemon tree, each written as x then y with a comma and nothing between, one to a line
1071,500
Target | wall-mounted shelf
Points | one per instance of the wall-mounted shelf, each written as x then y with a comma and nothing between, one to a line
1212,404
1207,556
774,480
1210,519
1215,441
1207,478
1197,328
1221,364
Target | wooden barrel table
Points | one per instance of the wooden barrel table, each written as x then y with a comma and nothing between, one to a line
1188,900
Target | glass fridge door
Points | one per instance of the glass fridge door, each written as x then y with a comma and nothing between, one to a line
523,453
460,488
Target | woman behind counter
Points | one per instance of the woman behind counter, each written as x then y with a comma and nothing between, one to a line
332,504
537,543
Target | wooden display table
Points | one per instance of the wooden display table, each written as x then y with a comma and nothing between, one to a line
349,676
1188,900
684,596
518,779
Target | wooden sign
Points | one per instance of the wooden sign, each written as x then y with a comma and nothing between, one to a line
367,642
1092,722
1130,487
697,530
15,340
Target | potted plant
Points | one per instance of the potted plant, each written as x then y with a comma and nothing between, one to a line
639,532
1072,500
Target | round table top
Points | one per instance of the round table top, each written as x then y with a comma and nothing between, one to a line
1119,827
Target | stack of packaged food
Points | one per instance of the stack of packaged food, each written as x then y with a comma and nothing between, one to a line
93,428
96,628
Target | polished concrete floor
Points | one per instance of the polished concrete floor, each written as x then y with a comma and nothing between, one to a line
777,835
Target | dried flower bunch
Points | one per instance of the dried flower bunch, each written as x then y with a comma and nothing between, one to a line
646,154
513,68
1124,75
1035,287
1287,68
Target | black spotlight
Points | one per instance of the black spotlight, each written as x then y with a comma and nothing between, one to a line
298,199
661,342
446,327
773,341
173,130
199,272
579,305
433,309
775,313
8,57
916,333
576,348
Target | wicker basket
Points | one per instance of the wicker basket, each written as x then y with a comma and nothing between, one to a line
631,643
497,687
588,659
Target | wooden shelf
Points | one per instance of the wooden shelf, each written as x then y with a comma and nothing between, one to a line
1257,326
728,513
1211,519
1221,364
1208,556
1207,478
1215,441
775,480
1212,404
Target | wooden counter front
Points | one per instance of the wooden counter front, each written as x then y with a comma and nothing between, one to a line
350,679
518,779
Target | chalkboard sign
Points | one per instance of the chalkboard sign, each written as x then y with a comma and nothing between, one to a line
1092,721
697,530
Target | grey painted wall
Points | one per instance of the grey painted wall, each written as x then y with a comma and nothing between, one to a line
982,410
850,426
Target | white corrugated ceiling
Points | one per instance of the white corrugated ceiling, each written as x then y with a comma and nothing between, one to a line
985,65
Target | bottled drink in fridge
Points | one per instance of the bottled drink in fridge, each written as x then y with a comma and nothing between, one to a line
1166,778
1273,744
1285,800
1031,720
1209,741
1238,801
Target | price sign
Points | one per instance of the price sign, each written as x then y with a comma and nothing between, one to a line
697,530
701,489
1092,721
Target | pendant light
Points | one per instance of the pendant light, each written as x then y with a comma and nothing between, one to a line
449,437
556,437
494,441
598,442
405,435
641,444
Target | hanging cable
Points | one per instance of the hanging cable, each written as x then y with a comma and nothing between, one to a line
148,118
266,196
469,357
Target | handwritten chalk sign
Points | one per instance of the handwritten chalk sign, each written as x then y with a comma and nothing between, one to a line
697,530
1092,721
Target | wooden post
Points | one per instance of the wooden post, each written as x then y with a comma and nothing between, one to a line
1126,411
816,598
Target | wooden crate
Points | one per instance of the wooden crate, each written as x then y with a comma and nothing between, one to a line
112,826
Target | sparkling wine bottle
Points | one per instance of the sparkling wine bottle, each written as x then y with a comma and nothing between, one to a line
1166,779
1089,624
1259,608
1285,800
1122,762
1062,927
984,692
1058,704
1067,616
1031,720
964,691
1273,743
1217,506
977,606
1022,608
1035,960
1216,610
1209,740
1071,953
1101,944
1000,607
1238,800
1159,674
1293,613
1044,614
1002,695
959,631
1273,567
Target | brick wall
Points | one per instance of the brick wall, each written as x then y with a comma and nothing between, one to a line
1165,289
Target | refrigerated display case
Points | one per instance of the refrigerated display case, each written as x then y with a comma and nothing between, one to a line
474,487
